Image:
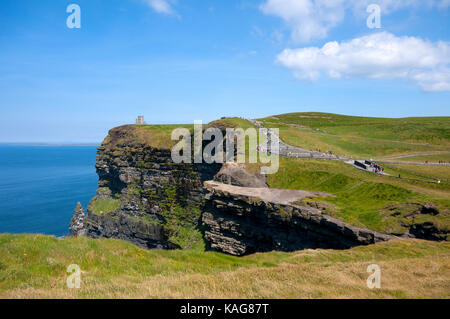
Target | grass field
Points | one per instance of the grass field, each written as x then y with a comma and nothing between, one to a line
431,158
362,136
425,172
34,266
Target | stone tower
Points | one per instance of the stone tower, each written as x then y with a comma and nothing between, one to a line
140,120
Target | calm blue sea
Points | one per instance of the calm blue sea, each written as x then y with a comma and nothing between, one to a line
40,186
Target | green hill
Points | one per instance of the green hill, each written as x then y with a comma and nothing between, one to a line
362,136
383,203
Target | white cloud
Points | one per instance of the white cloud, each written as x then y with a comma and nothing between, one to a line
377,56
160,6
308,19
313,19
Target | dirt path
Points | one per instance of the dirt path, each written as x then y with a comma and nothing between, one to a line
273,195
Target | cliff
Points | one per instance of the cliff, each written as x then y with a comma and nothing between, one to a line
145,198
240,221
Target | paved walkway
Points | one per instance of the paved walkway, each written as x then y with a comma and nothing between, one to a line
297,152
292,151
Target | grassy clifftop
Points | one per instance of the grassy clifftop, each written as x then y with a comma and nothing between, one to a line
363,136
34,266
159,136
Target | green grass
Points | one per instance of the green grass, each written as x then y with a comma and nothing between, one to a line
360,197
432,158
362,136
232,122
422,171
159,136
34,266
156,136
104,205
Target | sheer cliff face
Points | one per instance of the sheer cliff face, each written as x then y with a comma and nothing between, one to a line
144,197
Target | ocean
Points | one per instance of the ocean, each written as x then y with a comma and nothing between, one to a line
41,185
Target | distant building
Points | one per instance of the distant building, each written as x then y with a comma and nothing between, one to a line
140,120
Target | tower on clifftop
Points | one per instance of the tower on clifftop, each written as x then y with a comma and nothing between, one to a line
140,120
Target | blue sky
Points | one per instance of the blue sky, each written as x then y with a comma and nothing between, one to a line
180,61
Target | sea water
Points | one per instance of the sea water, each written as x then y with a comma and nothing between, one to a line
41,185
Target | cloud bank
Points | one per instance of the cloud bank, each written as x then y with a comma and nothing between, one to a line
377,56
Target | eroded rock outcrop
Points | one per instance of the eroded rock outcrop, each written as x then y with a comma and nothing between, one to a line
78,223
416,220
239,222
236,174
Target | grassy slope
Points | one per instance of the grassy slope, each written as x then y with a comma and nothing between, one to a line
159,136
361,197
431,158
363,136
34,266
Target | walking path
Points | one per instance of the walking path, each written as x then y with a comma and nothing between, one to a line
297,152
289,150
388,159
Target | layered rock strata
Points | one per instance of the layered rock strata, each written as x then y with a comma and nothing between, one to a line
242,221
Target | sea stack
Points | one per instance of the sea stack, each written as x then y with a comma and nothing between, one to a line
78,222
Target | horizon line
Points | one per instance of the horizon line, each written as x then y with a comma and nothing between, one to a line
52,143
